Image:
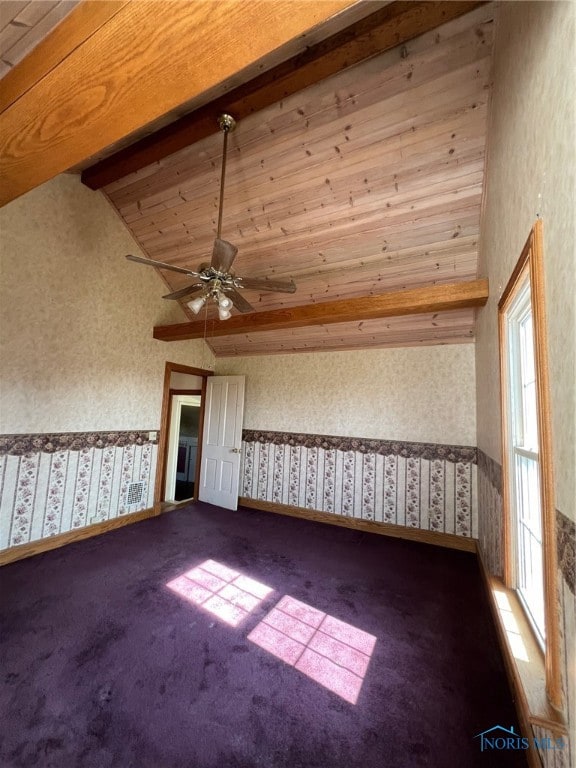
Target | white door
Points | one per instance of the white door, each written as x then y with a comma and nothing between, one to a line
174,443
221,441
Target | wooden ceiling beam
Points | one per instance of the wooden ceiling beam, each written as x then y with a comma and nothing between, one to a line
387,28
435,298
144,61
75,29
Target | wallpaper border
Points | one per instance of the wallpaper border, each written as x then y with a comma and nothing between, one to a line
491,468
565,528
429,451
566,548
53,442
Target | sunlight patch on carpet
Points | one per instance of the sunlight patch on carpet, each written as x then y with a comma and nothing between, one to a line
327,650
220,590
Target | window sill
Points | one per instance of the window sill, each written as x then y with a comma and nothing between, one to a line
523,657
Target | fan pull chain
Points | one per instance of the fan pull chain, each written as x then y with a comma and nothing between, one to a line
204,348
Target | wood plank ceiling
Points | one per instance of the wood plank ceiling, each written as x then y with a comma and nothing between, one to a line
112,69
24,24
368,181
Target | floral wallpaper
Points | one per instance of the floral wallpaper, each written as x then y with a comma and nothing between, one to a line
71,481
18,445
567,550
419,486
530,175
364,445
566,757
490,544
76,318
490,517
418,393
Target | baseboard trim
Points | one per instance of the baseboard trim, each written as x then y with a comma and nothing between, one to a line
527,686
22,551
449,540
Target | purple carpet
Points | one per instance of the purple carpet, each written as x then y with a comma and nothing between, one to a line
214,639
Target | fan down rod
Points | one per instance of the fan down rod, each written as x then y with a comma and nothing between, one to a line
227,124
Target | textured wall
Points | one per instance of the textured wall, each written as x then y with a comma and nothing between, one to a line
53,484
490,544
77,355
426,486
422,394
76,318
490,522
531,171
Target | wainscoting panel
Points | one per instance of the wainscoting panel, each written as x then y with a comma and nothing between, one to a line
431,487
52,484
566,548
490,522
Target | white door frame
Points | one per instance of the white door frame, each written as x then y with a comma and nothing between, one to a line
177,401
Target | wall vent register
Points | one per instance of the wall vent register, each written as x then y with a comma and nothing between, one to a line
135,493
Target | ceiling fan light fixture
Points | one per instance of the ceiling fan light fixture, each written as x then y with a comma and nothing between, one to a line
223,313
224,302
197,304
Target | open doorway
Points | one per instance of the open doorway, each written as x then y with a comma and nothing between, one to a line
183,438
180,444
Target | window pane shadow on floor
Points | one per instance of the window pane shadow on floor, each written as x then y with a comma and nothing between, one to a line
220,590
329,651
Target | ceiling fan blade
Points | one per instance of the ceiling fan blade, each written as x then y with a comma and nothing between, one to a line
238,300
223,255
186,291
161,265
262,284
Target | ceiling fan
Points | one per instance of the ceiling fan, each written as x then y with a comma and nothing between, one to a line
216,281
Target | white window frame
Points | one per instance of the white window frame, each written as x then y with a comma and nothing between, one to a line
526,552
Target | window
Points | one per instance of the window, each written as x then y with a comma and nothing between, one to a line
525,507
529,511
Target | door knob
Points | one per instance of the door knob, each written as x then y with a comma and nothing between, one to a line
235,450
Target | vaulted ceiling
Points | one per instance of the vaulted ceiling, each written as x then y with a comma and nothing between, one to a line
366,182
24,24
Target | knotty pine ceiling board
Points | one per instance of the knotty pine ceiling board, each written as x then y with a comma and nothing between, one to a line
368,181
25,24
455,327
296,46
